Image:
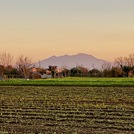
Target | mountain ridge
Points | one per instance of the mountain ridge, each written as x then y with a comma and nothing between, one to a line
70,61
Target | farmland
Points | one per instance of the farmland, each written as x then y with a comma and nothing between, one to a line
71,81
72,109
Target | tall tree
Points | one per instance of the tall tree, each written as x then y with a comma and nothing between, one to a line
24,64
6,59
125,63
130,60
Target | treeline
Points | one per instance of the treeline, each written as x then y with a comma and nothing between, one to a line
122,67
20,69
24,68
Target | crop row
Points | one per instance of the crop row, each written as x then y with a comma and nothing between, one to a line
66,110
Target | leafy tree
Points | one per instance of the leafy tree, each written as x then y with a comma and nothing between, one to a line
94,73
75,72
65,72
126,70
116,72
79,71
2,68
53,70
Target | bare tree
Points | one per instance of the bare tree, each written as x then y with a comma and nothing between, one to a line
126,64
130,60
106,66
119,62
6,59
24,64
125,61
106,69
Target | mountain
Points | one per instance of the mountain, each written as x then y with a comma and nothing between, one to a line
70,61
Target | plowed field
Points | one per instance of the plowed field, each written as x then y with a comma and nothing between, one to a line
66,110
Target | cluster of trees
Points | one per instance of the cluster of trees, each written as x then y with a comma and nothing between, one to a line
122,67
20,69
126,65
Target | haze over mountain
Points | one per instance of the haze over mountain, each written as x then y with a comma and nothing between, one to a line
70,61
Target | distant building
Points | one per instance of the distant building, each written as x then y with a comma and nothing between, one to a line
50,72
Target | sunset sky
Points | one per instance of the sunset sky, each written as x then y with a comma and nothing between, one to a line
42,28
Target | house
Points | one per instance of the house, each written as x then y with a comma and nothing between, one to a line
50,72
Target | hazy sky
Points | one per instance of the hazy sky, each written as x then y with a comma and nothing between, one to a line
42,28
